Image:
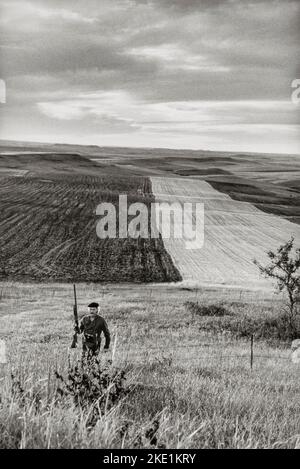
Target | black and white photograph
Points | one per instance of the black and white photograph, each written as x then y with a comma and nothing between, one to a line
149,227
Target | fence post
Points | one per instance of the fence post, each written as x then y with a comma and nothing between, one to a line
3,359
251,351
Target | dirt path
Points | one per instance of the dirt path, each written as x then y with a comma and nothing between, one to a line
235,233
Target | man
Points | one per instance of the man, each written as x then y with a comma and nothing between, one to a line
92,325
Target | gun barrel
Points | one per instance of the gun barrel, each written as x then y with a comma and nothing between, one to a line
74,341
75,296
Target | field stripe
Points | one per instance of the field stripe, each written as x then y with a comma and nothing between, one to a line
235,233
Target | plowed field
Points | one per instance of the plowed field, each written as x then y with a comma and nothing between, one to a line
48,232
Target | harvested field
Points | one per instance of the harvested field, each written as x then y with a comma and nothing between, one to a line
235,234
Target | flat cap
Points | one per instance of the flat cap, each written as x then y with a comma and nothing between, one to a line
93,305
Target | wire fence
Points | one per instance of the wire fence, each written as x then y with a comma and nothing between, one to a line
171,353
250,352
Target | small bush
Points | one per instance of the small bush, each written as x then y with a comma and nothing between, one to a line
92,386
210,310
277,328
270,328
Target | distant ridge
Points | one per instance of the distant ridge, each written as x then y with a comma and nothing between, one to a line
97,149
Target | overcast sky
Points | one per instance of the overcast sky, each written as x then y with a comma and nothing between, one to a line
205,74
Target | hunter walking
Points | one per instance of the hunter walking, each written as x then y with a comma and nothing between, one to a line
91,326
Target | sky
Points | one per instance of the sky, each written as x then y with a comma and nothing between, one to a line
199,74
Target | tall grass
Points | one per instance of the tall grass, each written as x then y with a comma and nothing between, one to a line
185,387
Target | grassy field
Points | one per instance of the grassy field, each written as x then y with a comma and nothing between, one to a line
189,376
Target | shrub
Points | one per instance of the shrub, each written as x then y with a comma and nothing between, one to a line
270,328
92,387
278,327
210,310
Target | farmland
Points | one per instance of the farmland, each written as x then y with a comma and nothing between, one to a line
180,320
48,231
49,194
235,233
270,182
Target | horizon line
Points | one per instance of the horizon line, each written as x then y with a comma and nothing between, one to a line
145,147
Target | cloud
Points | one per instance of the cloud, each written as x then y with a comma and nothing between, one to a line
120,65
119,106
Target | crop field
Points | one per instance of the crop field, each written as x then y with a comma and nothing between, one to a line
235,233
49,194
48,231
270,182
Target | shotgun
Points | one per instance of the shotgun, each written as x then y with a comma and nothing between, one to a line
76,328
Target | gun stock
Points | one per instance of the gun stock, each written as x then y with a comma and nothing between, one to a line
75,311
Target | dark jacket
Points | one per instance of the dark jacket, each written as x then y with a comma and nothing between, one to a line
92,326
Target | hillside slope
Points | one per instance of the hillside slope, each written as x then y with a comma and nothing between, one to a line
234,234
